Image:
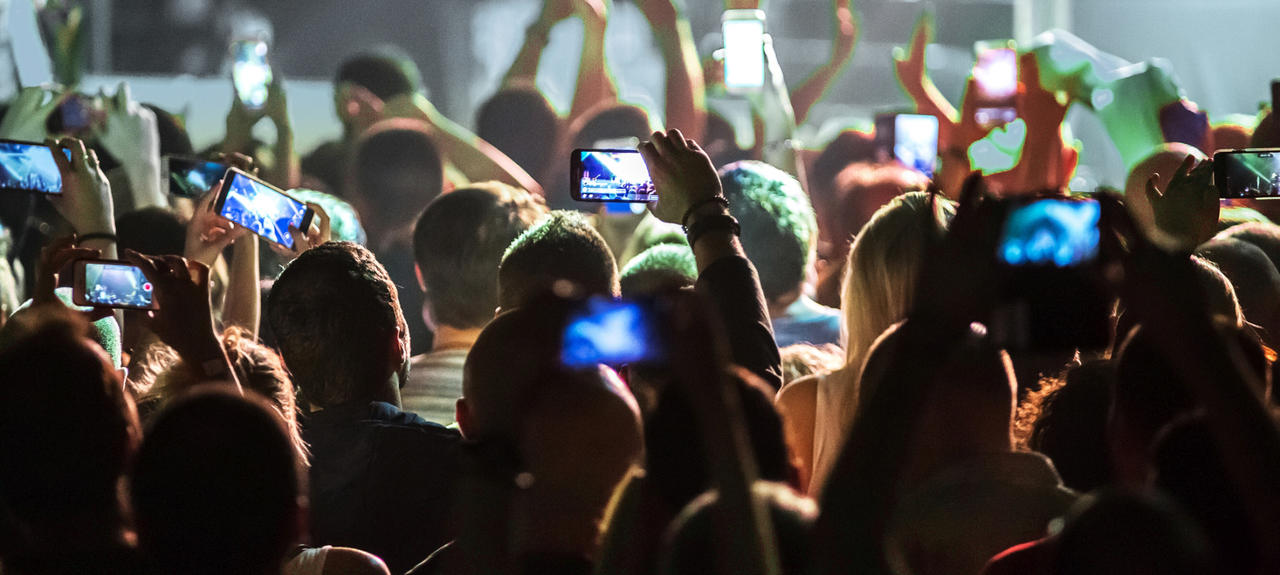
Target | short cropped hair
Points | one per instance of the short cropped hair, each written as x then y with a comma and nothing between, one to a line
659,268
386,75
458,244
778,223
332,311
519,122
398,171
561,247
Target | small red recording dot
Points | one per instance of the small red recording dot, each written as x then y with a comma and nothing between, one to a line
146,286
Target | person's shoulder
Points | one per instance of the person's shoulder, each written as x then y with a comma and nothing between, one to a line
394,417
799,395
347,561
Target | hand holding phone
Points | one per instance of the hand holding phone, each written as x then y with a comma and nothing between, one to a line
30,167
601,175
251,73
192,177
265,209
912,139
995,75
744,66
112,284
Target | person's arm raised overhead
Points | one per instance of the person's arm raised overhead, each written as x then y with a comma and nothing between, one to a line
208,235
846,38
914,77
287,170
689,194
29,112
686,99
133,137
524,69
772,106
1047,162
595,86
1187,210
478,160
85,201
1162,290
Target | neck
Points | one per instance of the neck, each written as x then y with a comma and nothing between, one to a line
448,337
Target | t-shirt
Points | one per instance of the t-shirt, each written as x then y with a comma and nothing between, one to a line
807,321
435,384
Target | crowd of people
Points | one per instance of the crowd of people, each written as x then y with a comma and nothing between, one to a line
824,366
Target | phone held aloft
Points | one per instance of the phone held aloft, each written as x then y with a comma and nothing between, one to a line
111,284
744,66
261,207
192,177
599,175
30,167
1247,174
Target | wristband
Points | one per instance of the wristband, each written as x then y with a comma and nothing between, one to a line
98,236
719,222
698,204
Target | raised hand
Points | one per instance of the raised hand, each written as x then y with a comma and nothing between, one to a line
682,174
208,233
1187,209
960,280
1047,161
53,258
85,200
29,112
320,232
914,77
130,134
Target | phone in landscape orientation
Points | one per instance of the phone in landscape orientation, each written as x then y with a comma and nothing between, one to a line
995,74
1054,298
265,209
29,167
1249,174
192,177
743,50
116,284
250,72
610,176
912,139
610,332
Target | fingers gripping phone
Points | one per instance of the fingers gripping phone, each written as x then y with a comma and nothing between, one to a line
113,284
744,66
995,74
265,209
912,139
192,177
30,167
250,72
598,175
1249,174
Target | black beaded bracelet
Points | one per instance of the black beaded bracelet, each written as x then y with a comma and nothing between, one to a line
713,223
698,204
97,236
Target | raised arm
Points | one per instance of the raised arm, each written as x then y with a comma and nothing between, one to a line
777,118
133,137
595,85
914,77
686,99
846,38
524,69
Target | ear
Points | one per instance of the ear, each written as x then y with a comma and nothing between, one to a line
398,348
462,413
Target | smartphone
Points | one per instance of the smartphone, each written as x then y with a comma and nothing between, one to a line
116,284
912,139
250,72
1253,173
1060,233
29,167
192,177
265,209
610,176
743,50
603,331
75,116
995,75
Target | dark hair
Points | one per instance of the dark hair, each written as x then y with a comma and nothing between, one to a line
386,75
849,147
691,545
1255,279
563,246
1119,532
67,429
1264,235
523,125
778,223
332,312
398,171
658,269
1072,427
174,140
458,243
155,230
216,485
609,122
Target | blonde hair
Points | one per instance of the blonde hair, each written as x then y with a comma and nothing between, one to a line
879,284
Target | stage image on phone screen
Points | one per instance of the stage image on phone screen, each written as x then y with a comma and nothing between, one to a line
743,54
29,167
251,74
1058,233
916,142
191,178
614,176
608,332
264,211
116,285
1247,174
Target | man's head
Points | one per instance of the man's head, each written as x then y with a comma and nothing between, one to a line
458,243
397,171
691,538
336,316
561,247
383,75
216,488
660,268
67,428
610,122
778,224
520,122
1255,279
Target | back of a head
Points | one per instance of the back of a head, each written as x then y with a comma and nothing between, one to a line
1149,392
216,486
778,223
398,171
67,429
561,247
850,146
458,244
658,269
1264,235
174,139
521,123
385,75
1255,279
1072,427
154,231
859,191
610,122
690,542
334,312
1115,533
